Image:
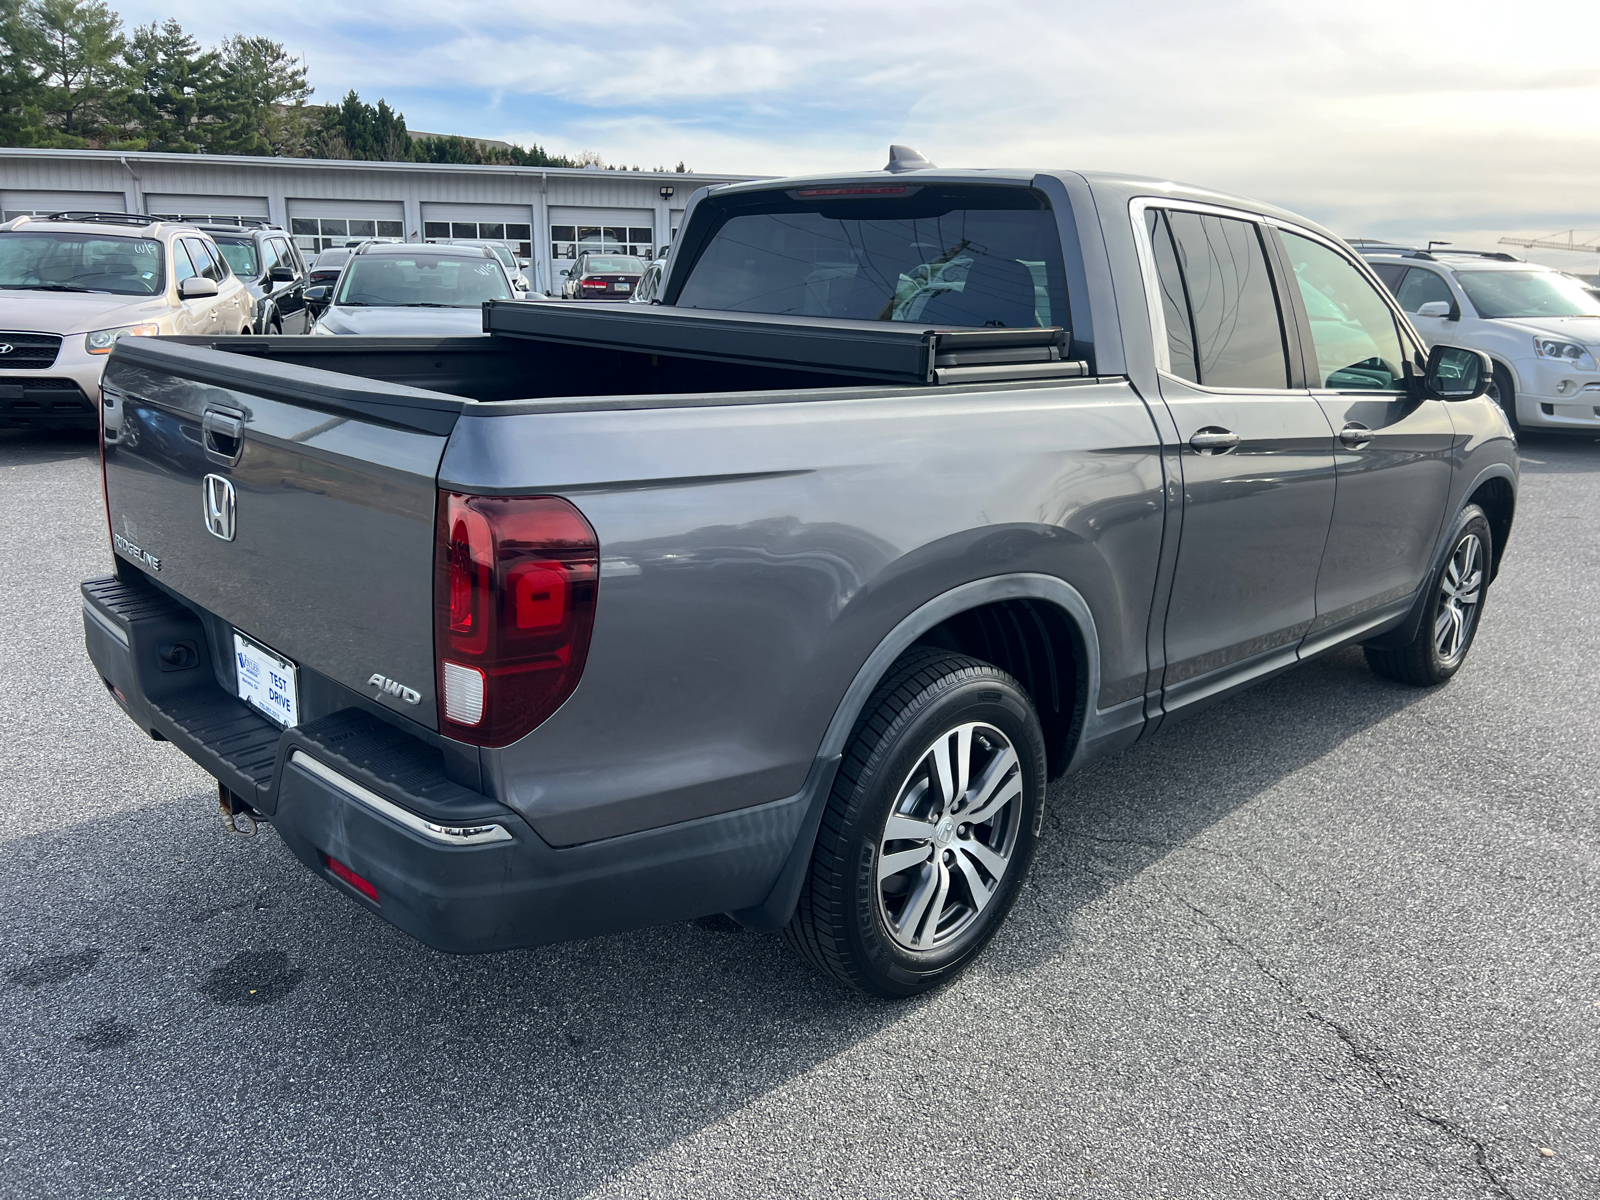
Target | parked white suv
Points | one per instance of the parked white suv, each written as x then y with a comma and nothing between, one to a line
71,285
1541,327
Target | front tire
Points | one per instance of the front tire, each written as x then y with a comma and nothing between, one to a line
929,830
1450,618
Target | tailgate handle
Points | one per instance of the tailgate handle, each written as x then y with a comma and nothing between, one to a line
224,433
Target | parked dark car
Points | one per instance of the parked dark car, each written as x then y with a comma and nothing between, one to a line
602,277
785,597
324,273
268,262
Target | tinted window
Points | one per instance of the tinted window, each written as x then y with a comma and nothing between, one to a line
240,254
936,255
1423,287
200,254
425,281
1174,303
1233,307
612,264
80,262
1527,294
1358,344
1390,273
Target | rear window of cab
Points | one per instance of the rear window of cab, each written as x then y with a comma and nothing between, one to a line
966,255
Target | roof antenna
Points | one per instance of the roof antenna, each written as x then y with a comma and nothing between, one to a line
904,158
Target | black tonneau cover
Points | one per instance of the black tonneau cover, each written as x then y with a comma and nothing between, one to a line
891,352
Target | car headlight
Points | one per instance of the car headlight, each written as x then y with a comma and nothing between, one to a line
1568,354
101,340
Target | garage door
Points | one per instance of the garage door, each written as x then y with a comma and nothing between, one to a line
225,210
614,230
493,222
318,224
42,204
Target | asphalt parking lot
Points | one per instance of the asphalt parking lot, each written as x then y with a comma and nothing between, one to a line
1335,938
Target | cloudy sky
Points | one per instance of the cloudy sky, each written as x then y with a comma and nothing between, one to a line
1394,118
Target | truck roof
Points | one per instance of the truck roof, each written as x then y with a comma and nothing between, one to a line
1113,185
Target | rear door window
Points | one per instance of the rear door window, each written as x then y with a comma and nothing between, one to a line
1174,301
932,254
1232,334
1422,286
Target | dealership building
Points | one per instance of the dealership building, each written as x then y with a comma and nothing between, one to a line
546,212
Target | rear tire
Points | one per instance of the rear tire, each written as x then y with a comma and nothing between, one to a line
1449,624
902,894
1504,393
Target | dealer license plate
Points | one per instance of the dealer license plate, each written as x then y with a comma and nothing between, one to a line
266,681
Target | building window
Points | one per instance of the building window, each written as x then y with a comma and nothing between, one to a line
320,233
519,237
568,241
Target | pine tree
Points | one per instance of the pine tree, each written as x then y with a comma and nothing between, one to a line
79,46
172,87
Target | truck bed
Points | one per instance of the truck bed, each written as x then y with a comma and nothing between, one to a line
545,350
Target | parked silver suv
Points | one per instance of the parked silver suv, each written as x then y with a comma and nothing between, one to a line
73,284
1541,327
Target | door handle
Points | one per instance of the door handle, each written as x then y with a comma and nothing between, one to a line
224,434
1214,440
1355,435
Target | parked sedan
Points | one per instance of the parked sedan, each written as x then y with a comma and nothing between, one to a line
408,289
602,277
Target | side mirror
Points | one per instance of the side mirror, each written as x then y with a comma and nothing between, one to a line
1439,308
1457,373
197,287
282,275
318,294
565,272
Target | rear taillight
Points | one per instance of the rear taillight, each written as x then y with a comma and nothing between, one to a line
514,596
594,283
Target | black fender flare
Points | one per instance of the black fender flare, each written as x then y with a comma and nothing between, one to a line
1402,633
1099,726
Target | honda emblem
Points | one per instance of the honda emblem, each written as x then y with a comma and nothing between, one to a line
217,499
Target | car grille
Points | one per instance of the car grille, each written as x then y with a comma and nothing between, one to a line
28,351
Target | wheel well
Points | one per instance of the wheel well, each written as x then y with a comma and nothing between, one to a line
1499,504
1038,644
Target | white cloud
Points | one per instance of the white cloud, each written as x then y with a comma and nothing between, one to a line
1365,114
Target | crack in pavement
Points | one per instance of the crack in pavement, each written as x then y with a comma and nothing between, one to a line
1363,1057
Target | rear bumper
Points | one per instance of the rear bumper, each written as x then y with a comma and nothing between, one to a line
355,788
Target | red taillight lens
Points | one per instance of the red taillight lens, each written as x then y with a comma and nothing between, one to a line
594,283
515,593
364,886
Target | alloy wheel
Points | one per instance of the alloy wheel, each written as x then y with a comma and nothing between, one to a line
950,836
1460,594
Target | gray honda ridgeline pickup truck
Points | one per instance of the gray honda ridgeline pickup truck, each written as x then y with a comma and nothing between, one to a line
785,596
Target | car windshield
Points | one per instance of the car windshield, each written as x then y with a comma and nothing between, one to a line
504,256
421,281
935,254
80,262
1527,294
241,256
613,264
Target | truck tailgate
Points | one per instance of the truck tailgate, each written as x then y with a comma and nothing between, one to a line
328,557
